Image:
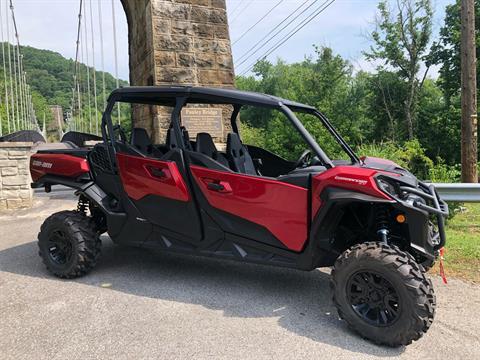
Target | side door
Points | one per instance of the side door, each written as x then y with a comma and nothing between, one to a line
159,189
255,208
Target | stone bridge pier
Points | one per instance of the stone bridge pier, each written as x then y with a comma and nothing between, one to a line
177,42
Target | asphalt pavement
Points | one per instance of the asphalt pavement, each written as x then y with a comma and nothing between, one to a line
139,304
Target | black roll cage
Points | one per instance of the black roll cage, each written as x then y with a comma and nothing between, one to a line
178,97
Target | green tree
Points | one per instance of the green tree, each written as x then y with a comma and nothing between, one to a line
446,52
401,40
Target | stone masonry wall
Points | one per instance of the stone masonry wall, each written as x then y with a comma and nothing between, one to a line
177,42
15,191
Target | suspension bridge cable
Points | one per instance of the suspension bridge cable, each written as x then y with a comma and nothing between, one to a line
299,27
267,38
102,58
27,104
115,54
76,80
87,68
14,66
258,22
81,81
22,75
18,91
94,70
7,100
20,87
12,100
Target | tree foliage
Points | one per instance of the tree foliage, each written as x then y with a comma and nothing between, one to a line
401,40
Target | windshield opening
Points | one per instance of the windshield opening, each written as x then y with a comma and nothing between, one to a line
335,148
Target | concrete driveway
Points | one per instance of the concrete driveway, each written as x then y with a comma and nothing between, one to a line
137,304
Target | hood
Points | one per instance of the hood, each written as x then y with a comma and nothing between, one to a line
390,167
381,164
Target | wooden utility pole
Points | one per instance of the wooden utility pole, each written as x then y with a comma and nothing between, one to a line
469,93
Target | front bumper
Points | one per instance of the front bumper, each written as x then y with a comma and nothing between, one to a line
431,204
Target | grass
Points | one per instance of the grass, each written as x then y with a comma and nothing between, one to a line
462,256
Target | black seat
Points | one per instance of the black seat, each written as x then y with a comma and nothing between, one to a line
205,145
141,141
240,159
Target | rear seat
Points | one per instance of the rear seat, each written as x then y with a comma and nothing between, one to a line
205,145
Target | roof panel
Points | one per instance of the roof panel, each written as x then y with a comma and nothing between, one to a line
163,95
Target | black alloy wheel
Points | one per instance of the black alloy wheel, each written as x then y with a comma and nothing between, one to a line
60,249
373,298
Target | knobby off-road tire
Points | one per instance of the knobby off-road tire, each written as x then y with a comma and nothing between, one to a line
69,244
379,274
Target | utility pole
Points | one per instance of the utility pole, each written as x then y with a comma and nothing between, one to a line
469,92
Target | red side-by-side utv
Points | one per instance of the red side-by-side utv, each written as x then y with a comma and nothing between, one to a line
372,221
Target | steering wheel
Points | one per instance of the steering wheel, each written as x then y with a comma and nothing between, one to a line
304,160
121,132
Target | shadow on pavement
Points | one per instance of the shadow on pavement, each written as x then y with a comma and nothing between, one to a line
300,300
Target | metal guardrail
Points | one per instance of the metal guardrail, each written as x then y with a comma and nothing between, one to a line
459,192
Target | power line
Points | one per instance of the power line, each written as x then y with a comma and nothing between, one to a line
241,11
236,7
287,37
258,22
262,43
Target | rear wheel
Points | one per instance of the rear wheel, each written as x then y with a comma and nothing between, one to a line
69,244
383,294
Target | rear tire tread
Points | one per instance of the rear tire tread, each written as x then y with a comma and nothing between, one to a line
85,236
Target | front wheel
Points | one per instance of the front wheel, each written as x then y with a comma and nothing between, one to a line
69,244
383,294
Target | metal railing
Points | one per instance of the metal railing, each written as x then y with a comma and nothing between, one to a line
459,192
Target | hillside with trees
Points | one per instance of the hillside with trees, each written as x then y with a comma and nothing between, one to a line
50,76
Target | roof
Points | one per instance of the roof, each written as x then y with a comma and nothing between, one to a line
165,95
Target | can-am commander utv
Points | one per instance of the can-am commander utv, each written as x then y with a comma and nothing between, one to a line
371,220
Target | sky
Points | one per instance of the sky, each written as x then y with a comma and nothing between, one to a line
52,24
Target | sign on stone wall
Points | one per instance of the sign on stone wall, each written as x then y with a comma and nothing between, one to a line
207,120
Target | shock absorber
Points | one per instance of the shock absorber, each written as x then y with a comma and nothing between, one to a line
82,205
382,217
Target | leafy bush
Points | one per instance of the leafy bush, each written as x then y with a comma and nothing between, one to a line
252,135
443,173
411,155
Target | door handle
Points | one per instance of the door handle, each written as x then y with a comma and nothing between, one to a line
158,173
215,186
218,186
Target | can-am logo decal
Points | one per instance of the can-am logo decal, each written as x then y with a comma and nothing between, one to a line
351,180
42,164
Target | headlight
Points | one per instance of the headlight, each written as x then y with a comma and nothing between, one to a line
387,187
